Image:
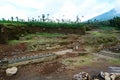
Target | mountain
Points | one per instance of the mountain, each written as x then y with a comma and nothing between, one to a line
106,16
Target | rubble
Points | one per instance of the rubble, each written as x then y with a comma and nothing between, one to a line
108,76
81,76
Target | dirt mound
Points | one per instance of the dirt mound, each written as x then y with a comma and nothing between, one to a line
50,67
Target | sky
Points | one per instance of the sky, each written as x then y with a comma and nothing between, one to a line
57,9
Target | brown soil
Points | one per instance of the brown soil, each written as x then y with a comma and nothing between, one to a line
53,70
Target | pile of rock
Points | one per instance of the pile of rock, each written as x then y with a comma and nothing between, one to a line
103,76
81,76
109,76
11,71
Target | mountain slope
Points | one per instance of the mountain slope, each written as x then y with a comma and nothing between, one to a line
106,16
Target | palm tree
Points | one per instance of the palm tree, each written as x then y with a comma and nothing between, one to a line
33,19
77,19
28,19
38,18
17,18
48,17
12,18
43,17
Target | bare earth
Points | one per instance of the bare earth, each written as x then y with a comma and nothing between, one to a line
54,70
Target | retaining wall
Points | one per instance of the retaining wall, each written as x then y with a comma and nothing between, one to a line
27,59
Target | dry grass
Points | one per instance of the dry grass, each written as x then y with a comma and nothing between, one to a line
78,61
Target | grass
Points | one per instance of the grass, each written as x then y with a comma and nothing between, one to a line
109,28
40,41
12,42
38,37
78,61
114,61
50,34
31,36
97,38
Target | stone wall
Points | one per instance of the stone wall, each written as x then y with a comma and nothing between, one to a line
28,59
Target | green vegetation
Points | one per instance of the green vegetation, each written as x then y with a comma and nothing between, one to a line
101,38
40,41
108,28
30,36
78,61
98,40
43,22
114,61
14,28
38,37
115,22
55,25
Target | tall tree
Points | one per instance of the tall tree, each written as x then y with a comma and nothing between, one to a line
12,18
38,18
17,18
28,19
77,19
3,19
48,17
33,19
43,17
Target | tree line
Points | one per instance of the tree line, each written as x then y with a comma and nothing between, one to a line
42,18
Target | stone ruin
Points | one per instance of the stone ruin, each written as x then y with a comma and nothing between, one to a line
5,61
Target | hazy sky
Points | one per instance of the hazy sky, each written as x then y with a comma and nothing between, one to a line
56,8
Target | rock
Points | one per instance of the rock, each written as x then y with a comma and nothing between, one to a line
102,74
108,76
11,71
96,79
81,76
112,76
